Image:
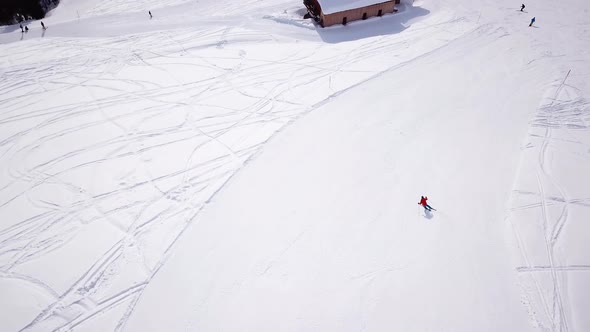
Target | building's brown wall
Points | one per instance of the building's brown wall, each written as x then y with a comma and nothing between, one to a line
357,14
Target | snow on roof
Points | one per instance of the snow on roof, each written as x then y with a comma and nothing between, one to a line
334,6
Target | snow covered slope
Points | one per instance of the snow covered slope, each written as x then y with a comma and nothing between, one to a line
228,166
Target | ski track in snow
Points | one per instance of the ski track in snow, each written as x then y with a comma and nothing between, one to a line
120,163
556,130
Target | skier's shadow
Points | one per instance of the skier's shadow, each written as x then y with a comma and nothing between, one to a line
428,214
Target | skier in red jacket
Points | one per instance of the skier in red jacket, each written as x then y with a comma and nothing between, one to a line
424,203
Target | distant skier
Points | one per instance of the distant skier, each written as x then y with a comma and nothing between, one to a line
26,28
532,21
149,12
21,28
522,7
424,203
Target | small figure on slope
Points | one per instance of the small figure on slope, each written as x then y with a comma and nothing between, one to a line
150,12
532,21
424,203
26,28
43,25
522,7
21,28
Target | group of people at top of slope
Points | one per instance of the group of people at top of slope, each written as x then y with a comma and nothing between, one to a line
26,28
532,20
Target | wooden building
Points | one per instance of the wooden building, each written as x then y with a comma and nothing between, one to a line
331,12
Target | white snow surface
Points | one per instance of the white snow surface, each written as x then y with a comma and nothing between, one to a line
334,6
229,166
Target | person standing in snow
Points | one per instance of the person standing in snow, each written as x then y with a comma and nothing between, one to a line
522,7
424,203
21,28
149,12
43,25
532,21
26,28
